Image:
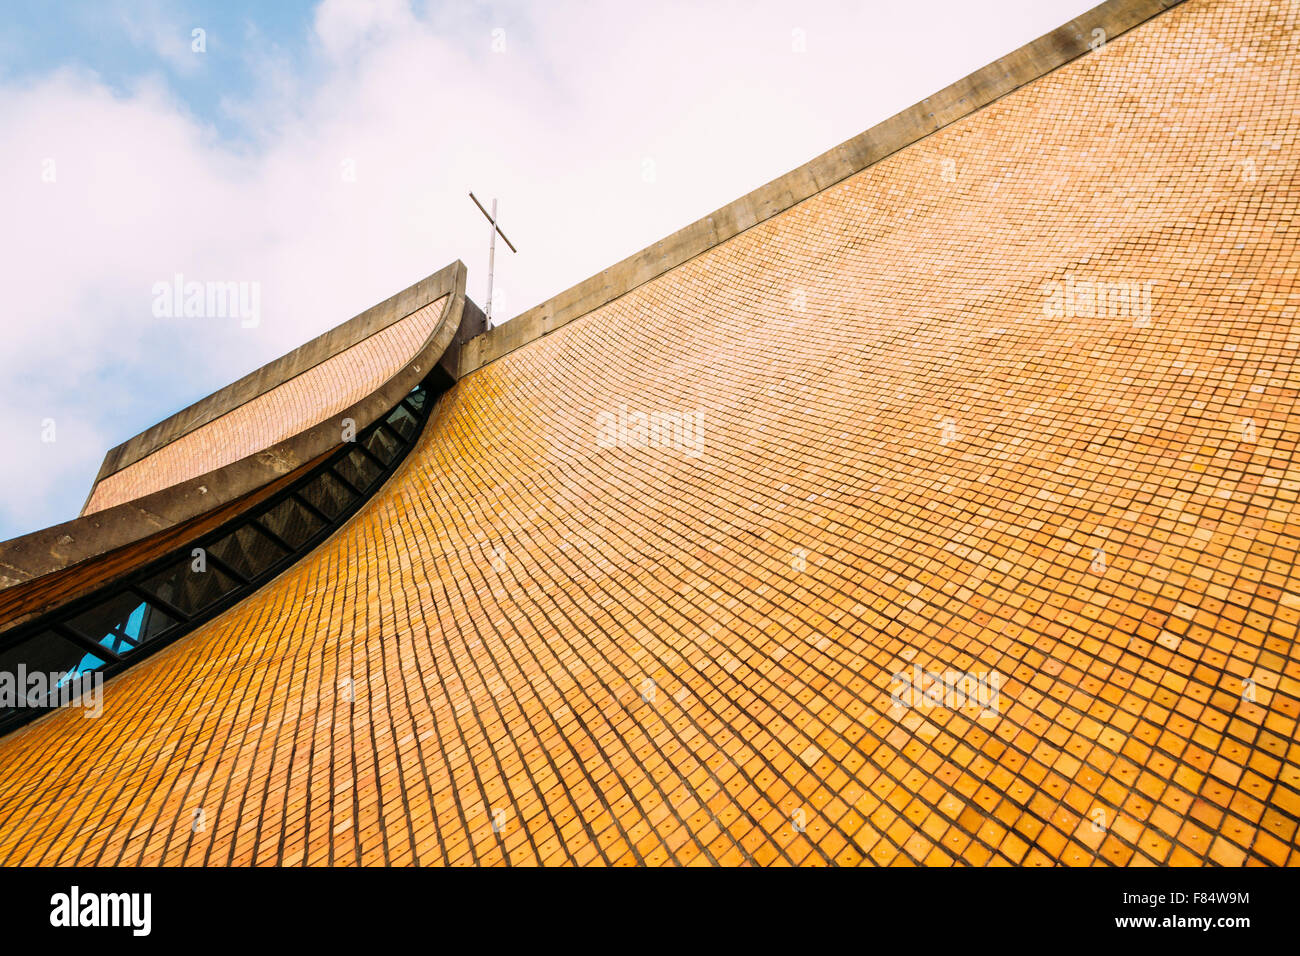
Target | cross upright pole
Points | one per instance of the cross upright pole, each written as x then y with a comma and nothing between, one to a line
492,250
492,262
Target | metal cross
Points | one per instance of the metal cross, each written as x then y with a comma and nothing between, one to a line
492,250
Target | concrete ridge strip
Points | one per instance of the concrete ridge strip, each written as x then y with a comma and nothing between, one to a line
957,101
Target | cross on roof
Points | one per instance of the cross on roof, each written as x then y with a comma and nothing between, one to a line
492,250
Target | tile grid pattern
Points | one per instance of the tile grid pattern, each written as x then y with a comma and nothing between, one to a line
279,413
919,444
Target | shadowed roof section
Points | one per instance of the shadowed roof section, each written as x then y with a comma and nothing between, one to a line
1014,405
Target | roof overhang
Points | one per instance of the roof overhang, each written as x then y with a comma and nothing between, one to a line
41,570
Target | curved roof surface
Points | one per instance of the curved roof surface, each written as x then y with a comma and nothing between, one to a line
647,588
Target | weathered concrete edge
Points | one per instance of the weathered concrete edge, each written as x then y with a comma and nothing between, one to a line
32,556
955,102
19,604
277,372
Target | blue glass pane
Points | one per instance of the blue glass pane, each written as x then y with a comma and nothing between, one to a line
417,398
121,623
87,664
47,654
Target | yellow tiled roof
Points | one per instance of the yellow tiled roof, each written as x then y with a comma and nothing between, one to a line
1018,402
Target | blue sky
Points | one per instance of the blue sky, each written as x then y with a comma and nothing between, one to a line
323,150
124,41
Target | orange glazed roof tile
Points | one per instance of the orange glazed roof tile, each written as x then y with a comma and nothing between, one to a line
1015,406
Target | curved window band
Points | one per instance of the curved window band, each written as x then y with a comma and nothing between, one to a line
49,662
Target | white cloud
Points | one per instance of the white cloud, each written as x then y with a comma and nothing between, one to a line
153,26
347,26
559,126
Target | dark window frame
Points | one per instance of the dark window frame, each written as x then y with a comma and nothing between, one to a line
57,621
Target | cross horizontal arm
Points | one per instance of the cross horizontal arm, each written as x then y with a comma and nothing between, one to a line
493,221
